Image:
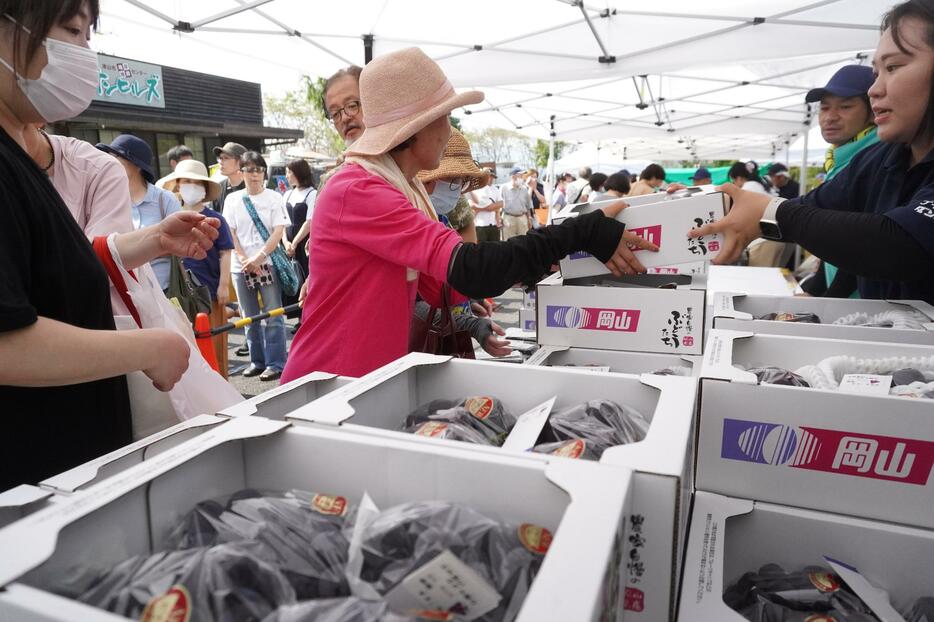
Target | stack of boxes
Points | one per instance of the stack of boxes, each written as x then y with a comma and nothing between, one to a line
783,475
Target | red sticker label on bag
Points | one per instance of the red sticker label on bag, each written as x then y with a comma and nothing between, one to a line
824,582
431,429
570,449
329,505
173,606
536,539
479,407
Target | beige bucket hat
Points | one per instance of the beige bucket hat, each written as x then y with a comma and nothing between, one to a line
400,94
191,170
457,161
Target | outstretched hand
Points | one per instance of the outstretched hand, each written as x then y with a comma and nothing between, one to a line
494,344
188,234
623,260
740,226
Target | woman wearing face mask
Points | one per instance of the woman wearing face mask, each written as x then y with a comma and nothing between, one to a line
876,217
62,364
252,269
375,230
195,191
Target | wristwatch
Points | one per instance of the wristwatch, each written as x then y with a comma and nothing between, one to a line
768,224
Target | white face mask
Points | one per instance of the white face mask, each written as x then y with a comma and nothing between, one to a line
67,84
192,194
443,199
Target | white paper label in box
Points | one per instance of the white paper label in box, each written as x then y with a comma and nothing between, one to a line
866,384
445,584
528,427
876,599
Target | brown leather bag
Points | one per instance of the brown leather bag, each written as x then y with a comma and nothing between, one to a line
443,338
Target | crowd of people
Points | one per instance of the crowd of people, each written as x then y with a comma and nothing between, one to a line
407,222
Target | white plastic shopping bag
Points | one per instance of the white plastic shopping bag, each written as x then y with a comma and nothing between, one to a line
201,390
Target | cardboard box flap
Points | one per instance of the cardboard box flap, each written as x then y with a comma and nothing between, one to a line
718,357
543,353
41,528
587,489
676,394
723,306
920,306
335,407
22,496
252,406
73,479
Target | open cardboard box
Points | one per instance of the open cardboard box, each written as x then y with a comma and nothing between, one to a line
617,360
377,404
862,455
661,313
665,223
730,537
272,404
585,505
737,312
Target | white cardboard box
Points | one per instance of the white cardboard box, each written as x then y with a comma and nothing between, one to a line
584,505
592,313
377,404
860,455
617,360
730,537
528,299
666,224
271,404
527,318
737,312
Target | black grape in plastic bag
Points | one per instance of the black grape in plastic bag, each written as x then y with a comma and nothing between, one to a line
404,538
922,610
298,533
773,595
577,448
601,424
783,316
224,582
484,415
777,375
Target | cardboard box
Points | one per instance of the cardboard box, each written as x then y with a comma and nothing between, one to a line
617,361
377,404
666,224
21,501
861,455
527,319
272,404
730,537
584,505
737,312
528,299
613,313
695,267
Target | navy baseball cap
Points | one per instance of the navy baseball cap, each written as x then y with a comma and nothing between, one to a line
849,81
134,149
516,170
702,173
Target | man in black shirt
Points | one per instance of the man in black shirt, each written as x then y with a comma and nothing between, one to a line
228,157
787,187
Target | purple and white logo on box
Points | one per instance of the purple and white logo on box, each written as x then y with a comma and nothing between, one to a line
592,318
831,451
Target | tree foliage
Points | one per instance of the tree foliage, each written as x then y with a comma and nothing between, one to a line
495,144
303,109
541,151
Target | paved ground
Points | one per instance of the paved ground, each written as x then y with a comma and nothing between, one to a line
507,316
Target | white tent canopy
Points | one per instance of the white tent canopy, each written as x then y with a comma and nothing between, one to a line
712,75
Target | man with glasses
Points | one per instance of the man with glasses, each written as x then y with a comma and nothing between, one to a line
228,157
342,103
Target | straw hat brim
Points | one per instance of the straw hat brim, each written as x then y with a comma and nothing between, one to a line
171,182
381,138
457,166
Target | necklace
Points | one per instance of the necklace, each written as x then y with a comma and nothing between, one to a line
46,168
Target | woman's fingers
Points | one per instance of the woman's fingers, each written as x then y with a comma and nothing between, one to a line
613,209
640,243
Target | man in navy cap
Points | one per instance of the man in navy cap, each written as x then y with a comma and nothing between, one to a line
846,122
702,177
845,117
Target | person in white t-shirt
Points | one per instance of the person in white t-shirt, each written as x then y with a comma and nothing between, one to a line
253,272
486,203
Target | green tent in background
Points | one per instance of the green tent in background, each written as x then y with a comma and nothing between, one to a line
717,174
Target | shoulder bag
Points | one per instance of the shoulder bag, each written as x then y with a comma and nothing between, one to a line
443,338
280,260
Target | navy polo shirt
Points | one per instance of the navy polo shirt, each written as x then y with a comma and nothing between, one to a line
878,180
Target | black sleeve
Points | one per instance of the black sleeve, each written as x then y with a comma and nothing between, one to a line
868,245
490,268
843,285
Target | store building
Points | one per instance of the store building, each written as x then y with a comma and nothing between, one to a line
167,106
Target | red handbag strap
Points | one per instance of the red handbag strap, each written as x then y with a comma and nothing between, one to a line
106,258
